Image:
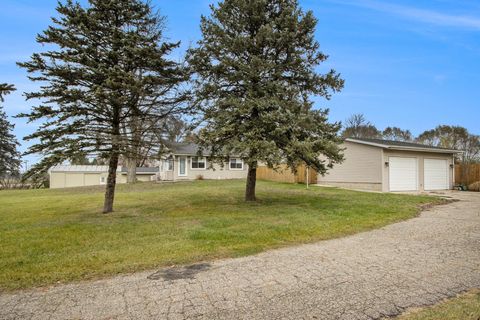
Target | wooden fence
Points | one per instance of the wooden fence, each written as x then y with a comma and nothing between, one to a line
467,174
284,174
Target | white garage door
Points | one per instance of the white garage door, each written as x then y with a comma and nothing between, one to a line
436,174
403,174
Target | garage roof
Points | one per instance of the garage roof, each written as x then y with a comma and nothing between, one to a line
401,145
99,169
80,169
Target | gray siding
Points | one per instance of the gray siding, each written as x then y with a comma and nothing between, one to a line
361,168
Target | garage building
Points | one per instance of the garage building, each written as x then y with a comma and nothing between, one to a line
384,165
67,176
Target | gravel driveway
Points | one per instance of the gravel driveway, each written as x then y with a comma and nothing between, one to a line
366,276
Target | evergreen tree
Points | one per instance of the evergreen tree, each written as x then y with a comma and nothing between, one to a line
155,110
9,156
107,66
255,72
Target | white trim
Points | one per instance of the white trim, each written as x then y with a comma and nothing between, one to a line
404,148
366,142
423,149
186,166
103,180
230,166
166,163
198,169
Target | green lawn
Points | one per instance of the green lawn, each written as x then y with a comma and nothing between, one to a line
52,236
464,307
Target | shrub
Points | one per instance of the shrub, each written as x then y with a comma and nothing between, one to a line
199,177
11,182
474,186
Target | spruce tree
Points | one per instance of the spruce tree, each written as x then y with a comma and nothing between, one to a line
107,65
9,156
256,72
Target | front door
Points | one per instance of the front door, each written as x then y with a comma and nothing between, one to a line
182,166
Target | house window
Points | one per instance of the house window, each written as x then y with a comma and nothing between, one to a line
199,163
236,164
103,180
169,165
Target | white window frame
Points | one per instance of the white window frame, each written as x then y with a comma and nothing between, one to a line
103,180
204,160
230,163
167,163
186,166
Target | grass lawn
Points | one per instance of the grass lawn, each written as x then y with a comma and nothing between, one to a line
52,236
464,307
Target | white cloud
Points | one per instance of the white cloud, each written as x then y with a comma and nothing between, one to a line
420,15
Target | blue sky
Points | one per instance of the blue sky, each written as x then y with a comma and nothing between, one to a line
412,64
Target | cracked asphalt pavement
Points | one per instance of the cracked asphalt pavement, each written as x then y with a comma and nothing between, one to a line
365,276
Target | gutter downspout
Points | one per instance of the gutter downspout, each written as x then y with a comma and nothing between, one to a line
159,176
453,171
308,177
174,175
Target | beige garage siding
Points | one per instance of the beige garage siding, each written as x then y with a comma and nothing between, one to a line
361,168
57,180
420,156
144,177
121,178
92,179
81,179
74,180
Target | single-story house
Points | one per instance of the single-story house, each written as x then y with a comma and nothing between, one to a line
183,162
66,176
383,165
370,164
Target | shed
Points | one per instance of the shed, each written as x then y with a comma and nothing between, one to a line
66,176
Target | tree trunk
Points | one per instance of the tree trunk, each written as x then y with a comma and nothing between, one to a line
251,182
111,182
131,170
113,164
